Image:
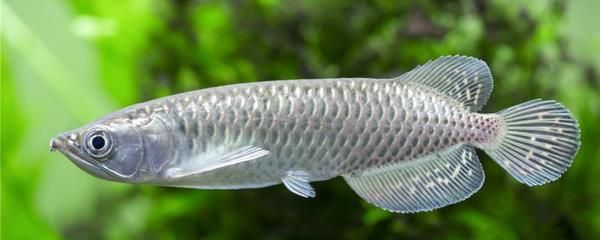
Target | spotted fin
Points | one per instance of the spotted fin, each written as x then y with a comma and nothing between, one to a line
298,182
537,143
422,184
467,80
207,163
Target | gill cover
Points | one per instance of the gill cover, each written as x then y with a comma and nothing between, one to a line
158,145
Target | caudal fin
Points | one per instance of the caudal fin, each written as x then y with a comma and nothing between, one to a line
538,142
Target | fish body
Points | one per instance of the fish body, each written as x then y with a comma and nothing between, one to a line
404,144
324,127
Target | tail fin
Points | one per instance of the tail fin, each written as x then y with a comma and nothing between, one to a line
538,142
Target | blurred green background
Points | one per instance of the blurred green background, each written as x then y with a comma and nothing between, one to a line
67,62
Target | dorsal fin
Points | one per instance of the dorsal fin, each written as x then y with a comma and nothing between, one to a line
467,80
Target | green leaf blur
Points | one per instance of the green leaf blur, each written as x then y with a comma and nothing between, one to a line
67,62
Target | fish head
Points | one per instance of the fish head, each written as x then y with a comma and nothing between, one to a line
118,150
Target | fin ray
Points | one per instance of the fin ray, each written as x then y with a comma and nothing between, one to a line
538,142
235,156
298,182
423,184
465,79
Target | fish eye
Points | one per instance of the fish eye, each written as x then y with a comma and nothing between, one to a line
98,143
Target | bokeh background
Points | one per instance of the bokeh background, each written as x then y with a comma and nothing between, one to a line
67,62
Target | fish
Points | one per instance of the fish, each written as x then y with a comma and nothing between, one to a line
404,144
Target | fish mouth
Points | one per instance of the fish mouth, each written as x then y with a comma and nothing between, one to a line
67,147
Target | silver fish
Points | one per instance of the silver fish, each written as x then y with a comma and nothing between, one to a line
404,144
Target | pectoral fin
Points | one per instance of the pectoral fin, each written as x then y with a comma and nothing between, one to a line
204,164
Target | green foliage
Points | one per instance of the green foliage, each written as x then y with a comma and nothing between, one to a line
65,63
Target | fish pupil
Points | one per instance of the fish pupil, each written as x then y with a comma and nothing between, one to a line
98,142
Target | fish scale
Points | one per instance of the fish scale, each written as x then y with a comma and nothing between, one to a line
300,131
404,144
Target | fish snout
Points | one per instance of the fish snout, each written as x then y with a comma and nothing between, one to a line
64,141
55,143
59,142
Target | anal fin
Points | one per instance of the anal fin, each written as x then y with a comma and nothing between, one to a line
422,184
